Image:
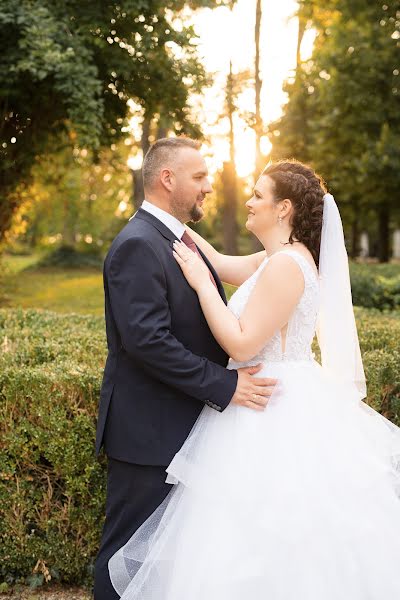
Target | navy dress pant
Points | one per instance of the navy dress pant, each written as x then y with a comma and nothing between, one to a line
133,494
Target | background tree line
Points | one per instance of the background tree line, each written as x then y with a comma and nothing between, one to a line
69,70
343,113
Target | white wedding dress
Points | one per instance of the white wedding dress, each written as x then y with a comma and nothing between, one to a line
299,502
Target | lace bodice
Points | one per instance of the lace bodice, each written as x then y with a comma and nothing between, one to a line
302,324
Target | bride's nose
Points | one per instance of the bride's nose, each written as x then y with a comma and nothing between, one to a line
249,202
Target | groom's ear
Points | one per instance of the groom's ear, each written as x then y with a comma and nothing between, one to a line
167,178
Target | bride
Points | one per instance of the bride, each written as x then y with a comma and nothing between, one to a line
300,501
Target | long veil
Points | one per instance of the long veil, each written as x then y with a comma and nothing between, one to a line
336,328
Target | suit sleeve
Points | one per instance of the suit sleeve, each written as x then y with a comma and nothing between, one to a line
138,294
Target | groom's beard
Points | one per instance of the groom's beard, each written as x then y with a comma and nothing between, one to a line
196,213
183,213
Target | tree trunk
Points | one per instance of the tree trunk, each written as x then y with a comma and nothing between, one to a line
69,222
384,234
162,131
258,86
300,35
355,238
229,181
138,189
256,245
7,209
145,142
137,177
229,225
230,104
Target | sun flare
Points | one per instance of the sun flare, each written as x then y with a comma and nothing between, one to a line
228,36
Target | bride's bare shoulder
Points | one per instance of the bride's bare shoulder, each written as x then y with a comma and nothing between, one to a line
259,258
305,252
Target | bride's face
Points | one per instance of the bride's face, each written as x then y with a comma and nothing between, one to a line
263,210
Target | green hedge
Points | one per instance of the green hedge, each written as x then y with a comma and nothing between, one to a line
379,336
52,488
375,285
67,257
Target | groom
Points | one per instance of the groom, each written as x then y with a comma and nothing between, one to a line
163,363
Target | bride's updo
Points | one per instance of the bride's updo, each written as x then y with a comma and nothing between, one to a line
300,184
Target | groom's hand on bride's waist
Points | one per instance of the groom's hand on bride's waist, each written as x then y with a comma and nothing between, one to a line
253,392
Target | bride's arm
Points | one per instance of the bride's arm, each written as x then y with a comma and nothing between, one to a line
268,310
231,269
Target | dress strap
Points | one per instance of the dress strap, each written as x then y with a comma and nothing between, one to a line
303,263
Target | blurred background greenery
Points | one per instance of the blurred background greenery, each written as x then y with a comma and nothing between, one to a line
85,87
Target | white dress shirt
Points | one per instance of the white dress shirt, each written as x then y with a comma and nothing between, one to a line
169,221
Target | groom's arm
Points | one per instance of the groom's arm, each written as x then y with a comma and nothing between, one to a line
138,293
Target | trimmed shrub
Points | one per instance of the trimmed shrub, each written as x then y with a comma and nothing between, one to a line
376,286
379,336
52,488
67,257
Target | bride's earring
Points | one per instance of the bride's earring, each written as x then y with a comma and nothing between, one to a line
280,221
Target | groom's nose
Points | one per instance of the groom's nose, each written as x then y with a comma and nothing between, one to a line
207,187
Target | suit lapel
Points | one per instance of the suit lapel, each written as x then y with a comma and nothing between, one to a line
163,229
171,237
215,275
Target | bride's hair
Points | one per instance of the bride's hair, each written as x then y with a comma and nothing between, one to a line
305,188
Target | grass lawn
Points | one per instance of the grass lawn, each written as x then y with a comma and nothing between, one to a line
80,290
61,290
15,264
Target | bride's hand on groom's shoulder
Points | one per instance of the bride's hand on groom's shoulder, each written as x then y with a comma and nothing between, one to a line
194,269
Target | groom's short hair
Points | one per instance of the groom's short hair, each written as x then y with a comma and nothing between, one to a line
160,153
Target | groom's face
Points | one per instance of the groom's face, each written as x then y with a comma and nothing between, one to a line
190,185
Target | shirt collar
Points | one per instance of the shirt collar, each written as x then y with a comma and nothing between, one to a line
169,221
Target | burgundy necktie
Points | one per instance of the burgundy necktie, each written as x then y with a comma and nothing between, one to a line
187,240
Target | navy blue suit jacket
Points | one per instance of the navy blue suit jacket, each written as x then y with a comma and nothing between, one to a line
163,362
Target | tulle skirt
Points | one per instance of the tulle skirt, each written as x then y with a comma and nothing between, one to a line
299,502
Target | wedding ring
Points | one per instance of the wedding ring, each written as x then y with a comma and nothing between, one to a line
255,396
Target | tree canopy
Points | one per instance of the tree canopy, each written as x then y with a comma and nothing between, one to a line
343,113
71,66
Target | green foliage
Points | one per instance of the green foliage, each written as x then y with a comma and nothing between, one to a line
374,287
74,198
51,486
343,113
379,339
72,258
69,66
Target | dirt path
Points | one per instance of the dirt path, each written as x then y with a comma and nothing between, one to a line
54,592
